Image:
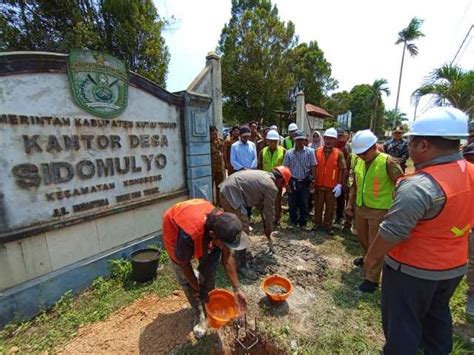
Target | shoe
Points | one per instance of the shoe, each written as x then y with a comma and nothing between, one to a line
347,230
200,324
292,226
358,261
247,273
307,229
330,231
368,286
470,309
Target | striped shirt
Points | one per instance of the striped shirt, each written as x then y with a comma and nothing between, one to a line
301,163
243,155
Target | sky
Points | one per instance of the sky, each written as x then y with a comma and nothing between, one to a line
357,38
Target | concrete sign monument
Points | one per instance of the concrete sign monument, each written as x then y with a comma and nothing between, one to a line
91,157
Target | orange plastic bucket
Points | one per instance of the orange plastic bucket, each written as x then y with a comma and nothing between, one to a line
277,280
220,308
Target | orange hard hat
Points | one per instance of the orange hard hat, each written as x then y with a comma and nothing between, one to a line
285,173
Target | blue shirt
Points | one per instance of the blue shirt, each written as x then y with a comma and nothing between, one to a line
243,155
300,163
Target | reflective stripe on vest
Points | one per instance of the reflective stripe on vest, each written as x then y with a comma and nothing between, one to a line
288,143
374,187
441,243
328,170
271,161
190,216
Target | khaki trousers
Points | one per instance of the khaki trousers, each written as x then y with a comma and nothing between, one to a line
470,267
217,178
324,200
240,255
367,223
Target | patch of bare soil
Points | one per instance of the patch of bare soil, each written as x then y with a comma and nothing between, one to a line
294,259
149,326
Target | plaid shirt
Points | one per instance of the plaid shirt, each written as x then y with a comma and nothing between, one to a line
300,163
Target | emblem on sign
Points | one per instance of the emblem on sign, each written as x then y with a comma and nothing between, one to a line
99,82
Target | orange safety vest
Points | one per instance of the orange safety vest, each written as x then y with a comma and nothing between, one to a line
328,170
441,243
191,217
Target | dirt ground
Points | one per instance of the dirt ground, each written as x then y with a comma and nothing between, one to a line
154,325
149,326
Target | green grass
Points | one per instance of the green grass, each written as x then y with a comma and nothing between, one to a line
341,321
60,324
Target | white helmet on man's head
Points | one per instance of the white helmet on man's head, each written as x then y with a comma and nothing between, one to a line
330,132
273,135
292,127
444,122
362,141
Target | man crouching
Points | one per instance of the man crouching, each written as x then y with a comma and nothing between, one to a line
196,229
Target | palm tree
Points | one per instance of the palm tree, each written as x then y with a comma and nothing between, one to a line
378,87
394,118
407,36
449,85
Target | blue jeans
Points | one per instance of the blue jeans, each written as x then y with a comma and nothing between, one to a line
416,314
298,203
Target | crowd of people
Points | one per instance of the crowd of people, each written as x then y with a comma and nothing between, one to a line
412,218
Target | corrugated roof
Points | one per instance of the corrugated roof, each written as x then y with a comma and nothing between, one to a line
316,111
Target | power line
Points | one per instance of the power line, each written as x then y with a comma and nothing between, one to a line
464,40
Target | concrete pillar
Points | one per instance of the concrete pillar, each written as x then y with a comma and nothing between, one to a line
301,118
214,61
197,114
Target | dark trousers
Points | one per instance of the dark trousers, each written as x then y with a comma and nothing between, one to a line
298,203
416,314
340,207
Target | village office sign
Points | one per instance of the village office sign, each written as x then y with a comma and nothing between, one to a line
59,170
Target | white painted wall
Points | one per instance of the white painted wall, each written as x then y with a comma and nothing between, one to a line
49,95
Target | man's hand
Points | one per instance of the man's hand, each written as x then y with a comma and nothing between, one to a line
241,302
350,210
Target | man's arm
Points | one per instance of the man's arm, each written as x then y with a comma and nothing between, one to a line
342,169
188,272
229,264
254,161
233,158
394,170
260,160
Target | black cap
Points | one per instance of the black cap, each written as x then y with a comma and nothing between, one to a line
244,130
228,228
299,135
469,149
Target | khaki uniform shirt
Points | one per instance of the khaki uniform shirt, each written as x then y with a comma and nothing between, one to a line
217,155
252,188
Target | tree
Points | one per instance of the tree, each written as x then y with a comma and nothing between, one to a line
128,29
378,87
407,36
307,64
337,103
449,85
254,45
367,106
394,118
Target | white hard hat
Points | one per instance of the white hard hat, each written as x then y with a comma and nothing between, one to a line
363,140
274,126
292,127
445,122
330,132
273,135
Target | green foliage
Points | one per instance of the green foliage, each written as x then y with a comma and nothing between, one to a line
307,63
451,85
120,269
253,46
128,29
57,326
409,34
394,118
338,103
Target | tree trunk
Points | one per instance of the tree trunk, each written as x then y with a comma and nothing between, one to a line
400,77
